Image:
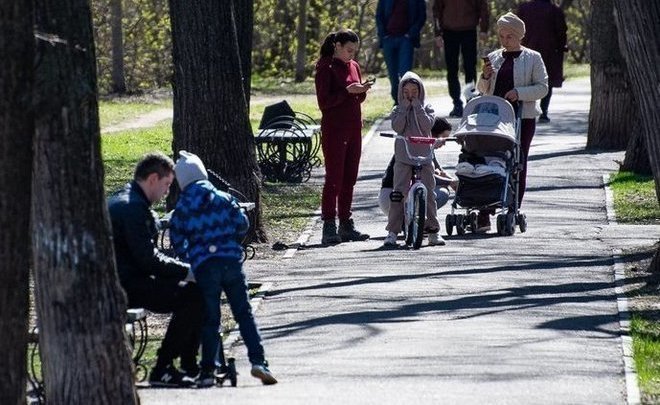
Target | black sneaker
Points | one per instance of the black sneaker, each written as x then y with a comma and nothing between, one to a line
169,377
457,112
543,119
206,379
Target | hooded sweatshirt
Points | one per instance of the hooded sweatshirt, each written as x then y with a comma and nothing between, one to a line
411,118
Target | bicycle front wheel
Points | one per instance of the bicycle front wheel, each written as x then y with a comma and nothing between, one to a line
416,224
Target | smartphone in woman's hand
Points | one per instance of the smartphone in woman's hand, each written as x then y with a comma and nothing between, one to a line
370,81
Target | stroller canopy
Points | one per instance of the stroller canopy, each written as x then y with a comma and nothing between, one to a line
488,125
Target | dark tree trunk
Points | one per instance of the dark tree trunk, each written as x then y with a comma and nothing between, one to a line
16,129
118,78
244,29
80,305
210,109
301,37
637,154
640,20
612,105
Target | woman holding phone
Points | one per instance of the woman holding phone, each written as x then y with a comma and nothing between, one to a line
517,74
340,91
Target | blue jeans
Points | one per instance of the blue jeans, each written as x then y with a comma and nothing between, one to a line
214,276
398,53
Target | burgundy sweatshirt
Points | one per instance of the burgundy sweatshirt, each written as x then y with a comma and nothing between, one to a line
339,109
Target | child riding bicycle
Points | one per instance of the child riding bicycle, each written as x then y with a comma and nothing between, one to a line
411,117
443,181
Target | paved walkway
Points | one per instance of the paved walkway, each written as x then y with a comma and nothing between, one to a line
526,319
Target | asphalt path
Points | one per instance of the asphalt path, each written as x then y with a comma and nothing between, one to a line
525,319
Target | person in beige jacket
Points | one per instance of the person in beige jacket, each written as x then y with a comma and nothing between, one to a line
517,74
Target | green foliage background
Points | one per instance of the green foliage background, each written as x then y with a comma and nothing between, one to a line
147,37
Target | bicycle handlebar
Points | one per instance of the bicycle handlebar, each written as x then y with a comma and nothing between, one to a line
418,139
420,160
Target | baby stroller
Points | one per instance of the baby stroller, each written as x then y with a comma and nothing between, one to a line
489,166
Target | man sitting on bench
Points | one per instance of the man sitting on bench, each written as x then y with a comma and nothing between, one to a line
151,279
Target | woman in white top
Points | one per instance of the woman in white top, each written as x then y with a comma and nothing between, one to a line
517,74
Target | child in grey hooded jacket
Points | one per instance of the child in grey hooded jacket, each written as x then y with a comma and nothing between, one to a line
411,117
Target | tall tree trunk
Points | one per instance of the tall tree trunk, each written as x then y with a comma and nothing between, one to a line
16,129
301,37
118,78
81,308
244,28
210,109
611,102
640,20
637,154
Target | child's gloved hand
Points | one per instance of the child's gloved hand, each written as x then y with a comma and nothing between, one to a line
405,103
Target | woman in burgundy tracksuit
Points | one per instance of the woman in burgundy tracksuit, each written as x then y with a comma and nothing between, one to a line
339,92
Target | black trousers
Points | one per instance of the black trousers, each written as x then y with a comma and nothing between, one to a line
545,101
186,305
465,43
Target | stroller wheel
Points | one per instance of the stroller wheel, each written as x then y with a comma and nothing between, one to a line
521,220
510,224
501,219
473,222
449,224
460,224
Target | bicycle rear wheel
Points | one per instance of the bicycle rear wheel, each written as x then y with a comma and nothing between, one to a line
416,224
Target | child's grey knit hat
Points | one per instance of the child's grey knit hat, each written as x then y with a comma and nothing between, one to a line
188,169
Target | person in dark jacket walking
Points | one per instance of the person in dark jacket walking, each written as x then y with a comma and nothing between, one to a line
546,34
399,23
205,229
455,24
340,92
151,279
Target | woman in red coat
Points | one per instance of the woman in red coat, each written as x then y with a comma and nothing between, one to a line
339,92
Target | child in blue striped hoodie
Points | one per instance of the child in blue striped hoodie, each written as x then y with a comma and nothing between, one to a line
205,230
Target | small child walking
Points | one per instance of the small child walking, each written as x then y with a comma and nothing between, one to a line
206,227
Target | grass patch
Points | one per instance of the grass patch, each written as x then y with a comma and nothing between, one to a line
122,150
287,208
117,110
634,198
646,347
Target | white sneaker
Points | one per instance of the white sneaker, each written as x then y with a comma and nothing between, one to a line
390,239
436,240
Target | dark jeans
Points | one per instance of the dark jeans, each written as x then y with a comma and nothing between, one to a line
545,101
214,276
527,130
186,305
398,54
456,42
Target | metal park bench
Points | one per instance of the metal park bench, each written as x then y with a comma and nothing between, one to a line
136,329
287,144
